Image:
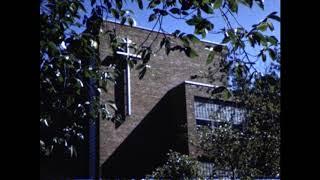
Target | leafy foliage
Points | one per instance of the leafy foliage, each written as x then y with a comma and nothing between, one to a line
178,166
247,151
65,73
252,151
71,78
238,39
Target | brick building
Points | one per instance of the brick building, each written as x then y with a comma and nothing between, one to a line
160,110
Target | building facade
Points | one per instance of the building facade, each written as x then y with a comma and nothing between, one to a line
160,109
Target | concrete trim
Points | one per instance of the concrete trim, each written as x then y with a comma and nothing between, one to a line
200,84
149,29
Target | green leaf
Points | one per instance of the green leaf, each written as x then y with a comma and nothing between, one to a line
78,91
140,4
218,90
226,94
176,32
226,39
122,12
273,13
272,53
119,4
270,26
185,13
153,3
140,66
142,73
130,21
131,64
251,40
167,46
260,3
210,57
152,17
115,13
147,57
233,5
175,11
209,26
200,31
184,41
162,42
93,2
170,3
191,21
275,17
108,3
217,4
123,20
264,58
81,7
60,79
52,49
190,52
163,12
233,37
206,8
259,37
264,42
87,73
273,40
262,26
247,3
193,38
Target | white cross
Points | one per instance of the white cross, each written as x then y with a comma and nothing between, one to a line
128,57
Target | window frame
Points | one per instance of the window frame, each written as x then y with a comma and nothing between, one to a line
213,123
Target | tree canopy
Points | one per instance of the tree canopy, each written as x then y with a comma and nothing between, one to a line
248,152
71,77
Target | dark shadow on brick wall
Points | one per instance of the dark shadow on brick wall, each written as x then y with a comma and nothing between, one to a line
145,148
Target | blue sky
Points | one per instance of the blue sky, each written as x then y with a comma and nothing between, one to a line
246,17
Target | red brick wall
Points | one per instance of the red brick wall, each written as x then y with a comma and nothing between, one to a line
166,72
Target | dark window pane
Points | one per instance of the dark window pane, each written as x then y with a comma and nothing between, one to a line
203,122
217,111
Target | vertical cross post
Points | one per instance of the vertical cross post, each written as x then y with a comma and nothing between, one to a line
128,77
128,56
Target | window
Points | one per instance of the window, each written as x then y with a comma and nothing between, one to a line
212,113
206,169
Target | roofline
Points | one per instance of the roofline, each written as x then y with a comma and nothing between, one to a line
149,29
201,84
229,101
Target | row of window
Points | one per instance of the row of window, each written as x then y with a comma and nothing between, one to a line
212,114
207,171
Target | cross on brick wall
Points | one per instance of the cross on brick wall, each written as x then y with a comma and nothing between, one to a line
129,56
